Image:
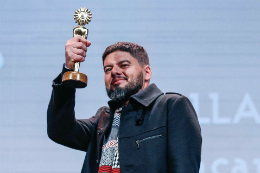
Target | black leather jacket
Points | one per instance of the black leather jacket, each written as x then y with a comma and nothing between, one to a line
158,132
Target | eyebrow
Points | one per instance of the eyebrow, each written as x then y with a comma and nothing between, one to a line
107,66
120,62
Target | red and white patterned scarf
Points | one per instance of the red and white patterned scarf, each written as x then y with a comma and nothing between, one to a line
109,162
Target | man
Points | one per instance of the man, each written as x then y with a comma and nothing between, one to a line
142,130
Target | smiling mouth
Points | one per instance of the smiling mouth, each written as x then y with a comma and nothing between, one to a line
116,79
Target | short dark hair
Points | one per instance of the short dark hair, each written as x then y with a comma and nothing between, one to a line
134,49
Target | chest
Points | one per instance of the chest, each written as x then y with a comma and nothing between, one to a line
143,143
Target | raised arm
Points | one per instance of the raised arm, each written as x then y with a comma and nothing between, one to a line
63,127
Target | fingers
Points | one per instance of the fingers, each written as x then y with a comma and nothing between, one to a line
79,42
77,58
80,52
79,45
74,55
79,38
88,43
72,52
75,50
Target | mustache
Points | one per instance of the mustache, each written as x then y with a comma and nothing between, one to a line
118,77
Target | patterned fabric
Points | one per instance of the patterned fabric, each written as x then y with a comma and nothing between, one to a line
109,162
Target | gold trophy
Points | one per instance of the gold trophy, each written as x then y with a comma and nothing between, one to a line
75,79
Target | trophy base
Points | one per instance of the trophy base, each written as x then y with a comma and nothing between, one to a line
74,79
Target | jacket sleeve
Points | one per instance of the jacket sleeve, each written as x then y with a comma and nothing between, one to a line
62,127
184,137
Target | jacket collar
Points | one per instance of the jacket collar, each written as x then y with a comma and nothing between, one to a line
144,97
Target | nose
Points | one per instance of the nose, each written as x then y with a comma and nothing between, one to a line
115,71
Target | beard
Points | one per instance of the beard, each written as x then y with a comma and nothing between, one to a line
124,93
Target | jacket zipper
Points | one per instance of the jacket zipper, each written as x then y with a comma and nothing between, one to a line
148,138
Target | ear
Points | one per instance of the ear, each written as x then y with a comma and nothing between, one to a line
147,73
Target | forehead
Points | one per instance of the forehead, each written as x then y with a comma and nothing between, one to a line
118,56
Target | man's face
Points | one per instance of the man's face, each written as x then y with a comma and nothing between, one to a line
123,75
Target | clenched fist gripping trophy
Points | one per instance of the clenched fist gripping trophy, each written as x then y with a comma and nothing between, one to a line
75,79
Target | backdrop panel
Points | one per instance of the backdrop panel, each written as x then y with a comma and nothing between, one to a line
206,50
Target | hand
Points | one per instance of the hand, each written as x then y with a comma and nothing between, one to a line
75,50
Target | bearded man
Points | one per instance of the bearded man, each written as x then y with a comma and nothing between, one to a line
142,130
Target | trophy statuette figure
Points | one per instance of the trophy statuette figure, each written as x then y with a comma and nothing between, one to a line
75,79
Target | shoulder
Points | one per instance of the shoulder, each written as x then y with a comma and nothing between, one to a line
180,103
173,98
104,109
173,94
101,112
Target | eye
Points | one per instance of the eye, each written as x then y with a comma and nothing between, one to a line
124,65
107,70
